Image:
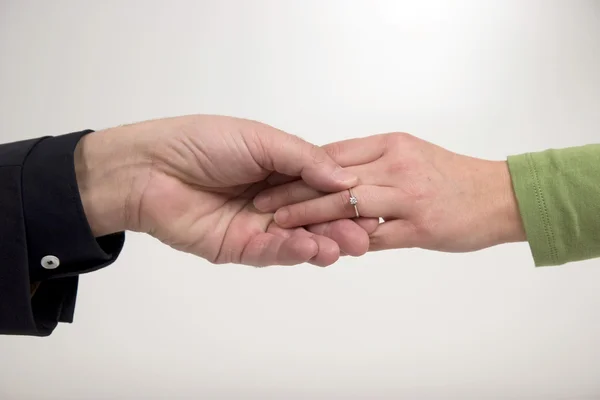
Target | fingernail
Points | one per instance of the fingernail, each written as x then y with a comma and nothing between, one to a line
281,216
344,176
262,201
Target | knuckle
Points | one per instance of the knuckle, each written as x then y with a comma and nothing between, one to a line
398,137
333,150
343,198
317,154
303,212
397,140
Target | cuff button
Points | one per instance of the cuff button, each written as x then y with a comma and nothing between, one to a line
50,262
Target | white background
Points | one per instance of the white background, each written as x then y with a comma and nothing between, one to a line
484,78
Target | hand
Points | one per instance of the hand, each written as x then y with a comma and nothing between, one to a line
428,197
189,182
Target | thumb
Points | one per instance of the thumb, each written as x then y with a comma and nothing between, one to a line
290,155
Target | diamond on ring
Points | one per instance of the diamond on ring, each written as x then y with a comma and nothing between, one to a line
354,203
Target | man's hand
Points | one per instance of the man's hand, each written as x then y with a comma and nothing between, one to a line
429,197
190,181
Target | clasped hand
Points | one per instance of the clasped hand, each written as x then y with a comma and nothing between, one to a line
238,191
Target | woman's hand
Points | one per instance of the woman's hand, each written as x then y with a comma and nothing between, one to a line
427,196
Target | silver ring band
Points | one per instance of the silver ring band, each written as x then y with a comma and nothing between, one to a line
354,203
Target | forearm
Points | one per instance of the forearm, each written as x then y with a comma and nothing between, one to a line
558,193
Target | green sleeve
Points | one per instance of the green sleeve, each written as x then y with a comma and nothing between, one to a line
558,192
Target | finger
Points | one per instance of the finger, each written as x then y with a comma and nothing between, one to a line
328,250
298,191
357,151
290,155
396,234
269,249
346,153
373,201
351,238
271,199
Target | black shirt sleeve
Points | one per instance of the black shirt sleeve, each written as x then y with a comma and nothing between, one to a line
42,218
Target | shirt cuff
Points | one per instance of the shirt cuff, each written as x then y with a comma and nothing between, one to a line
54,302
557,192
60,243
533,208
60,240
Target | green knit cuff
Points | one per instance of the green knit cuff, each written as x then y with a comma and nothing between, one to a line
558,192
533,209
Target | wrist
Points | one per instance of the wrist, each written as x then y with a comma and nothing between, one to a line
505,222
108,166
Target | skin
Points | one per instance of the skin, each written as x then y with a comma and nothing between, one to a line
428,197
189,182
